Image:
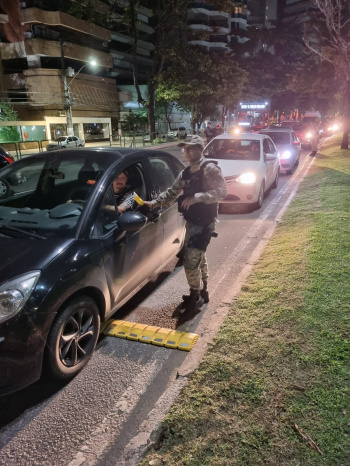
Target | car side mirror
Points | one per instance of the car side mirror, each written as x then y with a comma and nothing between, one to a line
268,157
131,221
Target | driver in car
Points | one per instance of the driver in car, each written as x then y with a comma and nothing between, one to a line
123,193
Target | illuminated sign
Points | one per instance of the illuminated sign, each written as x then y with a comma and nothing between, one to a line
253,106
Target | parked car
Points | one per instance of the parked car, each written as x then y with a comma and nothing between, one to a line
182,132
249,163
288,146
173,133
307,134
5,157
68,262
65,141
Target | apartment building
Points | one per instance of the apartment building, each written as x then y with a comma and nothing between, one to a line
60,37
212,29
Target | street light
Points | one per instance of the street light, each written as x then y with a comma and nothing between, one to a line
67,96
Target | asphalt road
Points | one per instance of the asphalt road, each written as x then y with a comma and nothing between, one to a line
107,414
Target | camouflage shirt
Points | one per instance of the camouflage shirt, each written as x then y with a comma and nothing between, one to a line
213,183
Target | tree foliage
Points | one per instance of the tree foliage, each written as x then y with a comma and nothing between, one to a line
8,133
333,46
169,20
271,57
199,81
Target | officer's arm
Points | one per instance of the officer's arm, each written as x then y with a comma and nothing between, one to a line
215,184
167,196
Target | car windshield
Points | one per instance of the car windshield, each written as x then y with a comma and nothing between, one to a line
233,149
279,137
46,194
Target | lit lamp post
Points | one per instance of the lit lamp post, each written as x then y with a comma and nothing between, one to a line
67,95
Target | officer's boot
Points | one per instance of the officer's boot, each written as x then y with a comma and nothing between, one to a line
205,293
194,301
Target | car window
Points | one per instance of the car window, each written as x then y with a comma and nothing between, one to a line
177,165
163,172
279,137
47,195
233,149
77,170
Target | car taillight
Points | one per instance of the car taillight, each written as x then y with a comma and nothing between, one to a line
295,143
8,159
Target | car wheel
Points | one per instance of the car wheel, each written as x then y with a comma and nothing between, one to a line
275,181
72,338
4,188
257,205
80,145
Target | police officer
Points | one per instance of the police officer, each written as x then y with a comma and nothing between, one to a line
202,185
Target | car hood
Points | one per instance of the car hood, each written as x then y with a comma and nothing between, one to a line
236,167
19,256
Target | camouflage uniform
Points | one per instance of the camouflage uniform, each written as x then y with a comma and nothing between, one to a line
214,189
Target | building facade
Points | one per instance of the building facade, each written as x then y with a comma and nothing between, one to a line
212,29
44,41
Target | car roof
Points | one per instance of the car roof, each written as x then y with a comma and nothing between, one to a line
286,129
252,136
108,154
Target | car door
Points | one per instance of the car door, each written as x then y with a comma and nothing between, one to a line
130,257
296,145
269,148
164,173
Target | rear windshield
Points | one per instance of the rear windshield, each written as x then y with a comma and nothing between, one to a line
233,149
279,137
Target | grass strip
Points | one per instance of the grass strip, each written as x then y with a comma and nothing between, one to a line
273,388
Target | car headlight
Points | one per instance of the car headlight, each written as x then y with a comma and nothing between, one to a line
309,135
335,128
15,293
247,178
286,154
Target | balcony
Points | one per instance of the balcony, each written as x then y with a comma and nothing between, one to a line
58,18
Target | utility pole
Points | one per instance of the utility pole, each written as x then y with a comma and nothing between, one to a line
67,96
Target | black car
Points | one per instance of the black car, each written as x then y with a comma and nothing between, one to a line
68,262
5,157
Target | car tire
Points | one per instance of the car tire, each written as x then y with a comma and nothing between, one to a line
80,145
72,338
4,189
257,205
275,181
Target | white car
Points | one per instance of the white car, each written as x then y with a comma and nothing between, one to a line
250,164
65,141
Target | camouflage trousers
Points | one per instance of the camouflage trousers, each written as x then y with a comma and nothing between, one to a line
195,260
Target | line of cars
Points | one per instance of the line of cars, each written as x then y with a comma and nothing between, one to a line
69,263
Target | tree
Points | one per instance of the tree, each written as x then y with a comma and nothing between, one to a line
169,16
200,81
334,47
7,113
271,57
169,21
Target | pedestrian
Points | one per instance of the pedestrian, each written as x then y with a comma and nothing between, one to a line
202,185
218,130
209,132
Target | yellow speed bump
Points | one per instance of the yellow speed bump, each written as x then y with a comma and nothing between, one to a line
150,334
